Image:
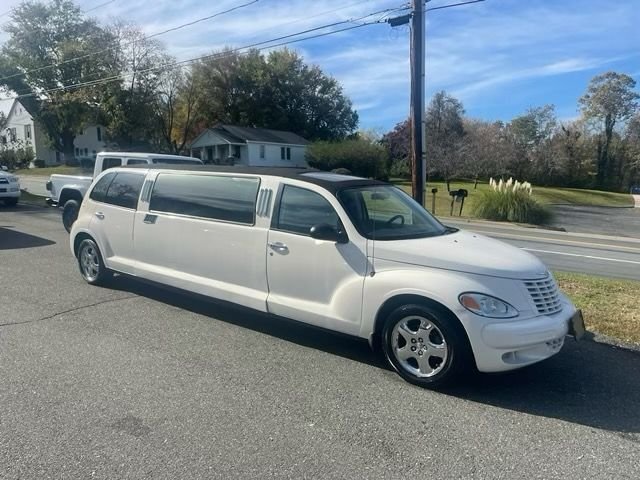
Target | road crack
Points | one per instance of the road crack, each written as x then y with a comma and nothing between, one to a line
70,310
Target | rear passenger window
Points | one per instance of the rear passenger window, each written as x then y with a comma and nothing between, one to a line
110,163
300,209
99,190
125,190
231,199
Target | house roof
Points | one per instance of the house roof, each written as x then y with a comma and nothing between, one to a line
235,134
5,106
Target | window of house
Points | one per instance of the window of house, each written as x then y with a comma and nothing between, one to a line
125,190
300,209
27,132
282,153
110,163
99,133
12,134
231,199
86,152
288,153
262,151
3,140
236,151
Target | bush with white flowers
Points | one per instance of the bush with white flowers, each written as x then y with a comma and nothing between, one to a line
511,201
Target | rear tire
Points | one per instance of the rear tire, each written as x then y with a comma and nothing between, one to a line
426,345
70,214
91,265
10,202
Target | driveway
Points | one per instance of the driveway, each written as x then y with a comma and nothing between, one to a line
34,184
616,221
135,381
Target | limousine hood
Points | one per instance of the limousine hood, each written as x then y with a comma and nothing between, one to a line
463,252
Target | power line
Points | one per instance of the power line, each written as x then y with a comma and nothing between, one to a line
214,55
453,5
184,63
90,54
99,6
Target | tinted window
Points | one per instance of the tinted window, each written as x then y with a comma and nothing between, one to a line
176,161
100,188
125,190
110,163
136,161
231,199
300,209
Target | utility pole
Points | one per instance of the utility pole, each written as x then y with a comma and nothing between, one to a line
418,160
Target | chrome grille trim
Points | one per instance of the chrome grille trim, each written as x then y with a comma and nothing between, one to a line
544,294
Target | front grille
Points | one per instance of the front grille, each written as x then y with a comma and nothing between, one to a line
544,294
4,180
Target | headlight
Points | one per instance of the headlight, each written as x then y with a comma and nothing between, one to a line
486,305
13,179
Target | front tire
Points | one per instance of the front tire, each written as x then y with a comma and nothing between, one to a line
91,265
425,345
11,202
70,214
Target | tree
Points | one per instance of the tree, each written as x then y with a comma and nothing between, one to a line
444,134
55,33
176,108
483,149
398,145
276,91
132,103
610,99
360,156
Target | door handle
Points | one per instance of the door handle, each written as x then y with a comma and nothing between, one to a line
100,215
278,246
150,219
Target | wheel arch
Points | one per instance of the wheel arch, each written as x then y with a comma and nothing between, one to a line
401,299
78,239
69,193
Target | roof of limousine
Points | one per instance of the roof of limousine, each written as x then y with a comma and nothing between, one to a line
330,181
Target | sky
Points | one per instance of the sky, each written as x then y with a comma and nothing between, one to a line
499,57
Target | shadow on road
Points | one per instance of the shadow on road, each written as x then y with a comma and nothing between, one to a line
12,239
588,383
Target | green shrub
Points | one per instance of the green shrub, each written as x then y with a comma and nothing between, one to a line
19,156
360,156
513,202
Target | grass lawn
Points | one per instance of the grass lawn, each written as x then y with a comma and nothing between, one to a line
59,169
545,195
609,306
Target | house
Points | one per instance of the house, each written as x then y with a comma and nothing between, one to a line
21,130
232,145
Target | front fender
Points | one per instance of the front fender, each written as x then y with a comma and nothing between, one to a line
442,286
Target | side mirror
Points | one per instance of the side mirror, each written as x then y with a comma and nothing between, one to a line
324,231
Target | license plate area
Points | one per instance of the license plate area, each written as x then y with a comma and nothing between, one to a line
576,326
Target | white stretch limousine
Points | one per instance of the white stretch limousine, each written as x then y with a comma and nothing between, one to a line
344,253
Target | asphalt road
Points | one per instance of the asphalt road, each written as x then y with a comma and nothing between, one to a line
604,255
613,221
138,382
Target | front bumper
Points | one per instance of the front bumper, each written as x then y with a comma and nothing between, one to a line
10,191
502,346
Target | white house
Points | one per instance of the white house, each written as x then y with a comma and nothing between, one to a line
21,130
228,144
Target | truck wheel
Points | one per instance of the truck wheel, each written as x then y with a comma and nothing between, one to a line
70,214
90,262
423,344
10,202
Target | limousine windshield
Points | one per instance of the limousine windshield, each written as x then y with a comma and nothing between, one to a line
384,212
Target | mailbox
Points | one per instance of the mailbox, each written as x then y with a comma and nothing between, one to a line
458,196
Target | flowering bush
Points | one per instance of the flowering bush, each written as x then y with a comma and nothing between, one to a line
511,201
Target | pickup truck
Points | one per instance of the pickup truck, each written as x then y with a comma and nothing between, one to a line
67,191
